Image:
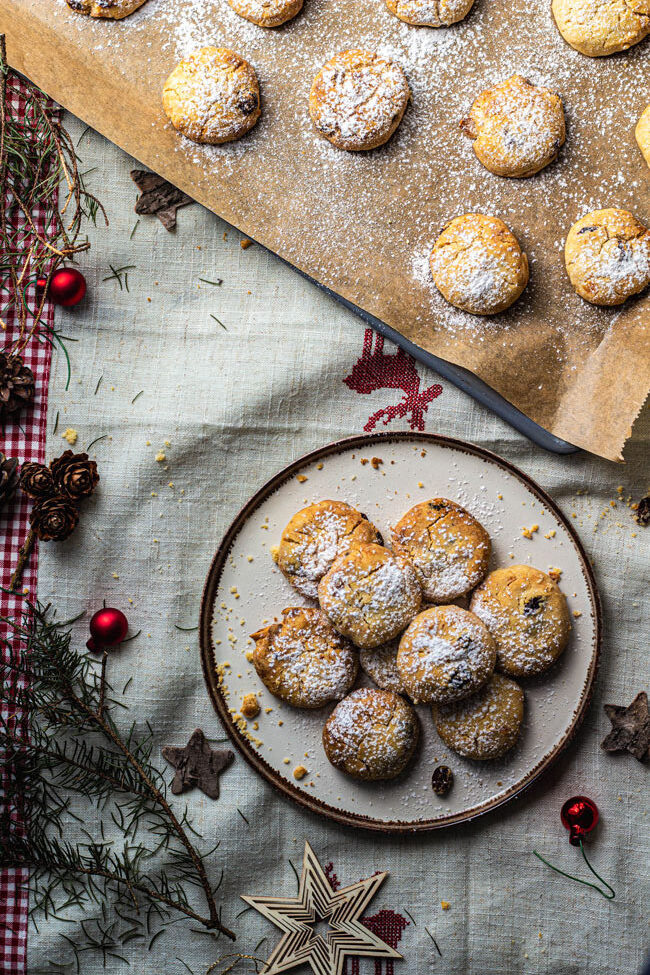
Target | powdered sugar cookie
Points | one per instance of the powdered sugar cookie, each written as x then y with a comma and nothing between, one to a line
380,664
370,595
642,133
108,9
607,255
601,27
371,734
486,725
478,265
212,97
303,660
448,548
430,13
527,614
358,99
517,128
445,655
267,13
315,537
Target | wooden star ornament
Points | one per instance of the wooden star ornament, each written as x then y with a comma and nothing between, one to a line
198,765
630,728
301,942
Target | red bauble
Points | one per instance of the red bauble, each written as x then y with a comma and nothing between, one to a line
67,286
579,815
108,627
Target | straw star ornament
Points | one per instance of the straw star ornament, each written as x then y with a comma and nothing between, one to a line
297,916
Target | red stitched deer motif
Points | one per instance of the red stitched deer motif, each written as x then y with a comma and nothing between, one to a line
378,370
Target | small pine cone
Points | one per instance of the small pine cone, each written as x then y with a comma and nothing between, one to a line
54,518
36,481
9,478
16,384
75,475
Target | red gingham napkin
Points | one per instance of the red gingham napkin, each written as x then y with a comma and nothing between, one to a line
24,438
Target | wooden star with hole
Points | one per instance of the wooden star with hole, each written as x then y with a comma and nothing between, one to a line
197,765
630,728
316,901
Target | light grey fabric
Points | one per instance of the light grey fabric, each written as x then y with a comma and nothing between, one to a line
228,409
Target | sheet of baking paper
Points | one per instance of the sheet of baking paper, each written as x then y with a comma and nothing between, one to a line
363,223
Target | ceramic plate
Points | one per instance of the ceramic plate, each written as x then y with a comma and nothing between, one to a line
245,589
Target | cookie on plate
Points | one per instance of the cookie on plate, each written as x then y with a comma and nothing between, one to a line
371,734
358,99
601,27
448,548
107,9
445,655
370,595
380,664
213,96
607,255
303,660
478,265
430,13
642,133
486,725
267,13
527,614
315,537
517,128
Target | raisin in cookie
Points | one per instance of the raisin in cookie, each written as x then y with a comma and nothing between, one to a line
607,255
303,660
601,27
267,13
642,133
478,265
371,734
448,548
107,9
527,614
358,99
486,725
212,97
315,537
380,664
370,595
445,655
430,13
517,128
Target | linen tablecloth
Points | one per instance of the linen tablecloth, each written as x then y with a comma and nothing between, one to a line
228,405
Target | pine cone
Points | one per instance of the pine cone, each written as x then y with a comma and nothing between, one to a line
75,475
53,519
16,384
36,481
9,478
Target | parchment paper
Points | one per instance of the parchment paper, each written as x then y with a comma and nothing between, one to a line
363,224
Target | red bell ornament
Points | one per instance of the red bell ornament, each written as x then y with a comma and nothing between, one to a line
108,628
579,815
67,286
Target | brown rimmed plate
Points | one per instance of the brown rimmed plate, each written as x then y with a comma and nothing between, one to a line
244,588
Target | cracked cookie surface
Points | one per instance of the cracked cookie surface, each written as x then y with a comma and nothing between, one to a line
267,13
485,726
642,133
430,13
213,96
380,664
105,9
601,27
607,256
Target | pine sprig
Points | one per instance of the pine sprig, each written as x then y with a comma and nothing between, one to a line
60,744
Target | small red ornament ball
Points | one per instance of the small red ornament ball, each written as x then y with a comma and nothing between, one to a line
579,815
108,627
67,286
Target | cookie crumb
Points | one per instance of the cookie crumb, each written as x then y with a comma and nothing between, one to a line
555,574
245,243
528,532
299,772
445,905
161,456
275,553
301,478
376,461
577,614
550,534
70,435
249,706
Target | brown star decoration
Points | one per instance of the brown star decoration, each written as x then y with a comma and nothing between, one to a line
630,728
197,765
301,943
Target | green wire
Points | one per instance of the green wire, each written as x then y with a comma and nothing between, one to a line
608,896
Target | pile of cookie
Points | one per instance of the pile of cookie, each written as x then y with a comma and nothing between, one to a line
423,619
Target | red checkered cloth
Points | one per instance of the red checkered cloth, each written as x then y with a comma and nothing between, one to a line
23,437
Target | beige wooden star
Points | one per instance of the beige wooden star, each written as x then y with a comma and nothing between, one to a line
316,901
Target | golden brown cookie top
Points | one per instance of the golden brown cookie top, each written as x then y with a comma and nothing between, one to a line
486,725
607,256
371,734
430,13
315,537
267,13
601,27
105,9
380,664
357,99
517,128
642,133
303,660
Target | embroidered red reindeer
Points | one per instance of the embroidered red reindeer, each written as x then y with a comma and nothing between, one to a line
378,370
